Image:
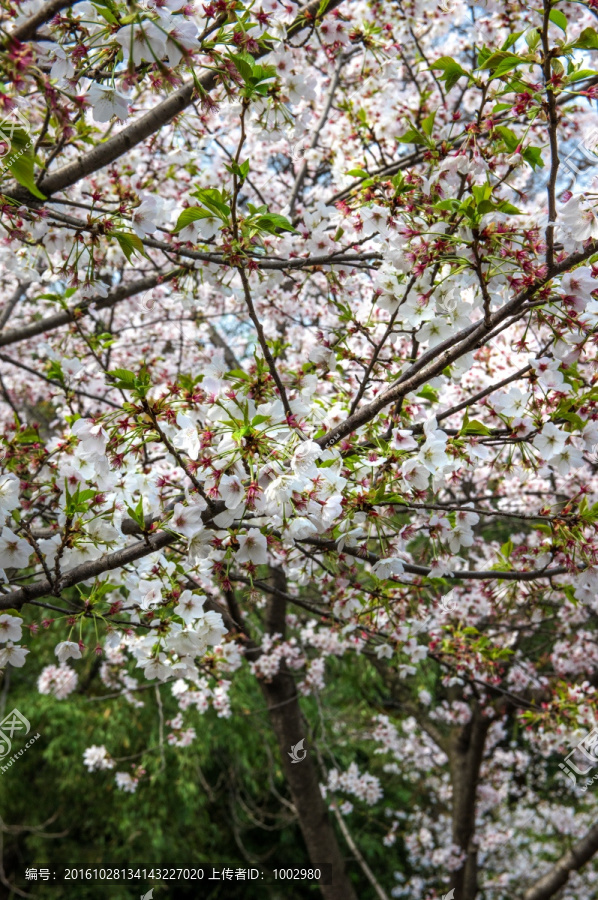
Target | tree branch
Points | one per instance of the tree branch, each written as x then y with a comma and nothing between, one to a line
573,860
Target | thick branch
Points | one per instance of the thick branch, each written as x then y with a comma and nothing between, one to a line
435,360
108,152
27,29
281,697
465,758
67,316
573,860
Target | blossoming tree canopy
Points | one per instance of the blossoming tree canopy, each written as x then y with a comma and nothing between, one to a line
297,373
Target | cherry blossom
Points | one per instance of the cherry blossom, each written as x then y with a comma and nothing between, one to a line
67,650
10,628
14,551
298,397
107,102
252,548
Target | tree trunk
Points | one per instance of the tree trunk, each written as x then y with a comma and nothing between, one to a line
466,750
302,777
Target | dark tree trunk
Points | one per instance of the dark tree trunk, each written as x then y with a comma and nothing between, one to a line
302,777
466,751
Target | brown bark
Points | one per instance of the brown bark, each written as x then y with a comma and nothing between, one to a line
302,778
27,30
581,853
466,750
110,150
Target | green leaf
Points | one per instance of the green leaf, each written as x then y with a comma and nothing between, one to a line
451,70
483,55
273,223
428,124
587,40
507,549
54,371
506,207
240,170
485,207
474,427
449,205
137,514
412,137
509,137
357,173
512,39
428,393
533,156
262,75
559,19
192,214
546,529
28,436
481,192
107,11
243,66
506,66
213,200
21,159
130,244
500,63
123,378
581,74
497,59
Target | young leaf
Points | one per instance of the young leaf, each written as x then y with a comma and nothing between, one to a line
20,161
497,59
130,244
412,137
192,214
273,223
587,40
123,378
428,124
559,19
451,70
509,137
243,67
